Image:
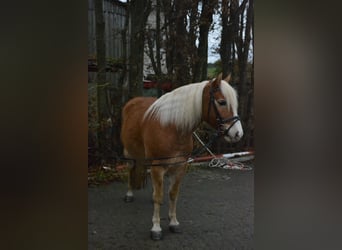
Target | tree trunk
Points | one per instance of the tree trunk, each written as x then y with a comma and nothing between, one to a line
200,72
193,19
158,39
150,38
139,11
167,9
243,61
250,93
181,65
229,19
244,87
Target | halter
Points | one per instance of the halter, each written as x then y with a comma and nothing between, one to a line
219,119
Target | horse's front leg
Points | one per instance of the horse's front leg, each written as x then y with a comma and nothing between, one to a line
175,180
157,176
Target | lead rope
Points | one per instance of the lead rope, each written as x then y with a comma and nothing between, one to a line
220,162
204,145
228,164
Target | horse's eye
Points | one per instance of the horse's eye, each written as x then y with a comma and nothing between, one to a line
222,102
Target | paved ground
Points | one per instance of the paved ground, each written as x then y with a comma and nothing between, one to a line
215,210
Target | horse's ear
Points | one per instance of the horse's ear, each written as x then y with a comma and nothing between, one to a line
228,78
217,81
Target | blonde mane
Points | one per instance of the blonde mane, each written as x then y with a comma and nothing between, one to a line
183,106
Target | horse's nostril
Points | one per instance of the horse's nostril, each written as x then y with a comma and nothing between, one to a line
237,135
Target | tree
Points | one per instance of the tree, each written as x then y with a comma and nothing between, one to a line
246,84
139,11
235,48
206,19
181,62
243,39
154,41
182,27
230,20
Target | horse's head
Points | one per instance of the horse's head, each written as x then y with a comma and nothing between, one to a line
219,108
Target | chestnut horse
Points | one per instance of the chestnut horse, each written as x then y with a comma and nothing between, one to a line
158,133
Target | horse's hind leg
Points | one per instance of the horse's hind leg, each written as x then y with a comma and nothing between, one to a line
175,179
129,195
157,176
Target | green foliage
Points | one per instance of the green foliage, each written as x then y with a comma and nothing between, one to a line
214,69
115,61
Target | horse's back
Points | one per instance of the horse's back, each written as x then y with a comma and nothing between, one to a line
132,117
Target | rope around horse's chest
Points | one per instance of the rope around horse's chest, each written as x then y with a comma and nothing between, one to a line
218,162
160,164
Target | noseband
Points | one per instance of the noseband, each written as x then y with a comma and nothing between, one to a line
220,121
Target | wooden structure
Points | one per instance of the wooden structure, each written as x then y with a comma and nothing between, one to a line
115,17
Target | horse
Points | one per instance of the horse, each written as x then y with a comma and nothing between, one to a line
158,133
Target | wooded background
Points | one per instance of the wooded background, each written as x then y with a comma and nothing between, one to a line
172,37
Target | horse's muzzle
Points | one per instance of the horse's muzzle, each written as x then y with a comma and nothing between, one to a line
226,131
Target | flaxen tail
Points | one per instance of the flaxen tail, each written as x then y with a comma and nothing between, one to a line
137,175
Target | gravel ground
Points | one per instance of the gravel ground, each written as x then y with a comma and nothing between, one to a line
215,209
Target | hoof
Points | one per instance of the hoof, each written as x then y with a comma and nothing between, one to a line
156,235
129,198
175,229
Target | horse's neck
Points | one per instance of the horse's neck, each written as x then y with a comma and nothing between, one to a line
182,108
